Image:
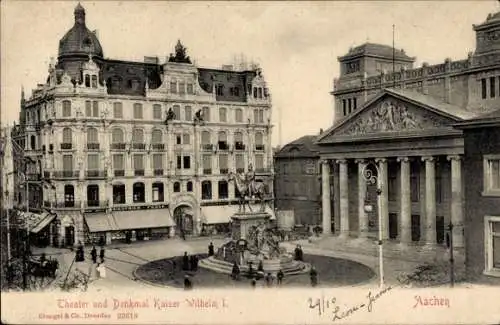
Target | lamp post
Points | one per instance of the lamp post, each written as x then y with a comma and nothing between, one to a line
375,179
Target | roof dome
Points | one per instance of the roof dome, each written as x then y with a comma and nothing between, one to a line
79,39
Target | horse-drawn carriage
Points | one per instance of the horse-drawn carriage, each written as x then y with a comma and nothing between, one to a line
42,267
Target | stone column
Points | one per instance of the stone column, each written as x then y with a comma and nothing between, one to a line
457,217
326,205
430,200
384,195
344,198
405,196
362,216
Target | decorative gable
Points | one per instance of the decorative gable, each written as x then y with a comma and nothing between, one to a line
391,115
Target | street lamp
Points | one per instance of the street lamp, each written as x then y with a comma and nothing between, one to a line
375,179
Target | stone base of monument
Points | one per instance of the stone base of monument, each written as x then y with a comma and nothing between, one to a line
242,222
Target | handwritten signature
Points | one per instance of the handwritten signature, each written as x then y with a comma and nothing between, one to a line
331,305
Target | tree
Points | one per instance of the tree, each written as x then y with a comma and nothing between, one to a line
180,55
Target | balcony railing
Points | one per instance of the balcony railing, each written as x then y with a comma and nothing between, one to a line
66,174
139,172
95,204
138,146
158,172
224,170
118,146
259,147
207,171
207,147
93,146
96,173
119,172
66,146
239,146
158,146
223,146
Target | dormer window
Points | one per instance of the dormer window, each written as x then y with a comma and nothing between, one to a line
173,87
259,92
219,90
87,80
182,88
94,81
190,89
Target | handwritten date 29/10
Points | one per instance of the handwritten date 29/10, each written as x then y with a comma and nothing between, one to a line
330,305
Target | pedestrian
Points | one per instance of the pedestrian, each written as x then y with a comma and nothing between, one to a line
101,254
269,279
260,268
80,255
101,268
253,283
297,253
185,262
313,274
211,249
188,285
196,260
93,253
183,234
235,273
280,277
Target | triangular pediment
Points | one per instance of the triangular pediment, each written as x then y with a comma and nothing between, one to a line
389,115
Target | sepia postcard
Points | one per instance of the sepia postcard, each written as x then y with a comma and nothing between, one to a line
237,162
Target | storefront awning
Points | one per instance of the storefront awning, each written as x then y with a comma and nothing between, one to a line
223,213
140,219
41,221
100,222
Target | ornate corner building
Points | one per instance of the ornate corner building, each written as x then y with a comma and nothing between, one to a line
395,122
117,149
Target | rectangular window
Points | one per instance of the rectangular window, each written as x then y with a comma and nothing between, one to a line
157,111
239,162
95,108
439,187
190,88
187,162
492,245
138,162
118,162
182,88
355,103
344,107
178,139
179,162
223,163
207,162
349,106
256,116
261,116
188,113
88,108
66,108
177,112
392,187
185,138
492,87
68,162
414,183
259,162
117,110
206,113
157,161
491,172
483,88
239,115
93,162
173,87
138,111
222,115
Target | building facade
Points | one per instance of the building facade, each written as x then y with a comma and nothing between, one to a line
106,138
397,127
482,196
296,183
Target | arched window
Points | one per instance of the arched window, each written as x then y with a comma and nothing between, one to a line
222,114
206,190
138,136
87,80
156,136
238,115
205,138
206,113
188,113
33,142
93,196
177,187
157,189
189,186
94,81
117,136
259,141
118,194
69,196
138,193
177,112
223,190
92,135
66,108
67,135
222,140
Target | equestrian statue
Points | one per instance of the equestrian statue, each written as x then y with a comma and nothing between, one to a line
249,188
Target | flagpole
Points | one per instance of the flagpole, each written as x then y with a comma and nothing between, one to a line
393,60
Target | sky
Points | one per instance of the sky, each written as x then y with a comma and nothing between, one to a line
295,43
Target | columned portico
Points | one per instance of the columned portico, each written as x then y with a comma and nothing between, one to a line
344,198
457,218
326,195
430,200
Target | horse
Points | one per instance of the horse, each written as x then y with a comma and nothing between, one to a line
258,191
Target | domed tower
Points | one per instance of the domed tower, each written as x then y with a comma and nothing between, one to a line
76,46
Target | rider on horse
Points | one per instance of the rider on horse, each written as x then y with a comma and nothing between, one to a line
250,180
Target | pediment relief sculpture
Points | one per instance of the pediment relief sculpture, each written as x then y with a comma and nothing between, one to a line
391,116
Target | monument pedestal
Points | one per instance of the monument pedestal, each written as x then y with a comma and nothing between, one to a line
242,222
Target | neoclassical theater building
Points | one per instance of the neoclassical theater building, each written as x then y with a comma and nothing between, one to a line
121,149
397,119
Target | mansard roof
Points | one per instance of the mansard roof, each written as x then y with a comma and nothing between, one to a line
303,147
